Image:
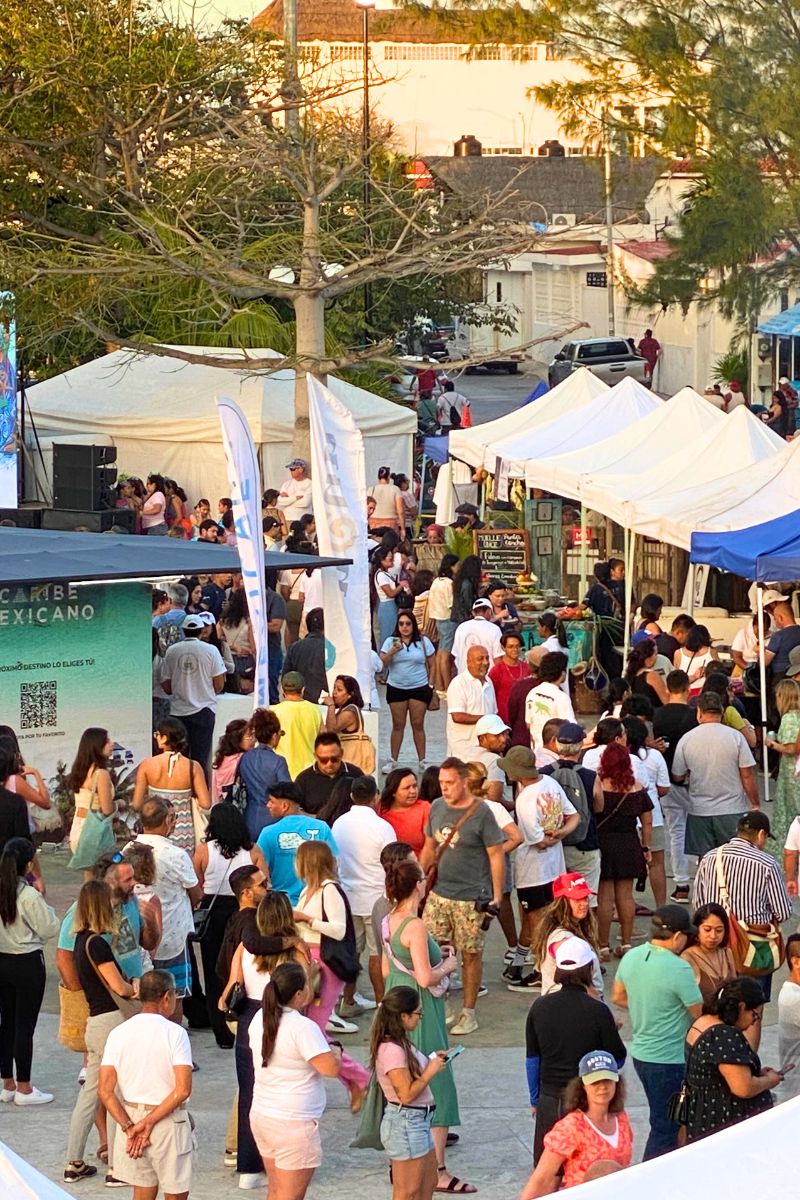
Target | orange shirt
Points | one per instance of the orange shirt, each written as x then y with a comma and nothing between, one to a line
576,1140
409,823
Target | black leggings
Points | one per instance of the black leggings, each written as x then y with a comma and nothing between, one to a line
22,979
223,908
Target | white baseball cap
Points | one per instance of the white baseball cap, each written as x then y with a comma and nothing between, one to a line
491,724
572,953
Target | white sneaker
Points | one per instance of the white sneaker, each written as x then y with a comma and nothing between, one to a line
82,1077
388,766
32,1097
364,1002
248,1183
337,1024
466,1024
7,1095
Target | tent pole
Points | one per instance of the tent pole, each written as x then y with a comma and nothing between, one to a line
584,580
630,538
692,581
762,677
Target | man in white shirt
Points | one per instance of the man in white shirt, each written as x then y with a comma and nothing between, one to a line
145,1082
360,836
470,696
294,498
450,401
548,699
193,675
480,631
178,890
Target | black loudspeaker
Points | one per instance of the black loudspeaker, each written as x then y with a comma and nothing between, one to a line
23,518
83,476
86,519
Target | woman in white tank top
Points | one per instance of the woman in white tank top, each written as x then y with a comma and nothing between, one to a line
225,847
694,656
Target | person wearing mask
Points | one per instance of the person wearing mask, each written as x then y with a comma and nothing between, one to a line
745,880
294,498
471,867
595,1130
291,1059
26,923
548,700
146,1093
290,827
479,630
102,982
261,767
507,671
661,994
179,891
315,785
300,720
193,675
469,697
670,722
560,1025
361,835
306,656
719,769
725,1081
401,807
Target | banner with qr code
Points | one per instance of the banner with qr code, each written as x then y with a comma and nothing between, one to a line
72,657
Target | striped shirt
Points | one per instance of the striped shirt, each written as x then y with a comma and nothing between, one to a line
754,881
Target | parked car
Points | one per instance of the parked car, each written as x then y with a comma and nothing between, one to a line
610,358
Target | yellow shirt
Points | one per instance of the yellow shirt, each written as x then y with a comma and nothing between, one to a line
300,721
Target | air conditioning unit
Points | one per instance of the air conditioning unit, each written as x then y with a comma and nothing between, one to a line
564,219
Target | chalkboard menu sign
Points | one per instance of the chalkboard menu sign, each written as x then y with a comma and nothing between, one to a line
504,553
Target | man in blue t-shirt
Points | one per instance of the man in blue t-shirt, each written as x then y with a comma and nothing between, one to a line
783,640
291,828
136,928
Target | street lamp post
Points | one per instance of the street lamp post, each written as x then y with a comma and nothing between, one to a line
365,6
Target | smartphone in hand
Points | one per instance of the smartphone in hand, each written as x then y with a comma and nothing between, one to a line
454,1052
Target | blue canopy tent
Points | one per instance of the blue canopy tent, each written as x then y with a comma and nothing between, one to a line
540,390
766,552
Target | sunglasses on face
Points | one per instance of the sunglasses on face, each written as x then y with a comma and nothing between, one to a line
337,758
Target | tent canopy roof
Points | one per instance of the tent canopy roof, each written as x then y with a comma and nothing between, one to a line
768,552
165,399
784,324
49,555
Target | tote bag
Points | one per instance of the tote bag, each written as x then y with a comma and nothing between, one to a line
358,748
97,836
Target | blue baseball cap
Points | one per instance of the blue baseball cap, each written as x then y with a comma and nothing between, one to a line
597,1065
640,636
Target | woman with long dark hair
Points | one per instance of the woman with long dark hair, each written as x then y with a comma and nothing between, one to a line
653,764
235,741
291,1057
91,784
641,675
568,915
725,1080
35,793
175,777
466,587
694,656
622,803
709,953
344,705
155,507
235,628
385,590
101,978
226,846
404,1076
440,610
26,923
408,658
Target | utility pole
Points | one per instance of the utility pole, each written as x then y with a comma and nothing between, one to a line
291,90
610,281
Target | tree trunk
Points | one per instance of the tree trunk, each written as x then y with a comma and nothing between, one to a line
309,313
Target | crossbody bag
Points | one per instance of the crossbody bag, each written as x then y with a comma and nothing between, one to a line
757,949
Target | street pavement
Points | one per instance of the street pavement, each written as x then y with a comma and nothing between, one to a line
496,1130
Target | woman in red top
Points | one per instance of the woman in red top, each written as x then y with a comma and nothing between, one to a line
595,1130
401,806
508,670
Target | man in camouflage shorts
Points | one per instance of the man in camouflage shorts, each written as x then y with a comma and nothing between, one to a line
470,869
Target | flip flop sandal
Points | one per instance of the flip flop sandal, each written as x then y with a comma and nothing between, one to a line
453,1139
604,954
458,1187
622,950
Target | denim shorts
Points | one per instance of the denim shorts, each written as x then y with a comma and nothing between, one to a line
447,634
406,1132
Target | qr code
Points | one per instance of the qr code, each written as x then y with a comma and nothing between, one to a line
38,705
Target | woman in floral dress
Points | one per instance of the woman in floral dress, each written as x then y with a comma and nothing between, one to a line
787,744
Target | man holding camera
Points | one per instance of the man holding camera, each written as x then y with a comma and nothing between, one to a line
465,844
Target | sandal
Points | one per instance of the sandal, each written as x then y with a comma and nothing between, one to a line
457,1187
622,950
604,954
102,1152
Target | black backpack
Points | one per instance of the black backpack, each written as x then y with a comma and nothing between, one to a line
455,417
571,782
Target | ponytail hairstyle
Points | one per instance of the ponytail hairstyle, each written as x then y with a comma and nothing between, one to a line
285,982
637,659
384,473
388,1025
402,878
550,622
16,857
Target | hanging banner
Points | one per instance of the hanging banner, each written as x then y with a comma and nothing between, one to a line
339,494
71,657
8,410
245,481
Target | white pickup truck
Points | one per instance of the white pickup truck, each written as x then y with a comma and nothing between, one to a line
610,358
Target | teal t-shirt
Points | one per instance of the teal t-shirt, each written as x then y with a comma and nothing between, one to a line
279,844
124,942
660,987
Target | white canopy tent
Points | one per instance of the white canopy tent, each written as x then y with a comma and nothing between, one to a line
161,415
576,391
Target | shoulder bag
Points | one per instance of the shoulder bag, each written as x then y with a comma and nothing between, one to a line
368,1136
128,1006
756,949
437,990
432,873
73,1013
341,956
678,1102
97,835
202,916
358,748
